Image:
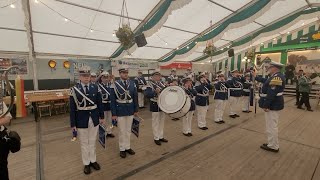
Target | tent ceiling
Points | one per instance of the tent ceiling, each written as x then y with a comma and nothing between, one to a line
53,34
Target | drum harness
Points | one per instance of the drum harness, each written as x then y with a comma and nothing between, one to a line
223,88
127,97
153,88
189,93
140,82
83,101
237,86
105,95
205,92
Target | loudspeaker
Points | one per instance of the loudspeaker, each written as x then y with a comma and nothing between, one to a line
231,52
140,40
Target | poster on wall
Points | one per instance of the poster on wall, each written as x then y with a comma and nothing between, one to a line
276,57
20,63
178,65
96,66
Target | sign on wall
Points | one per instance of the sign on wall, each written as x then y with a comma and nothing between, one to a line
177,65
96,66
21,63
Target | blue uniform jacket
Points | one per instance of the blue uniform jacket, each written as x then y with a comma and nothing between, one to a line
235,82
151,94
80,118
120,109
246,88
221,91
202,89
192,94
140,81
271,88
105,96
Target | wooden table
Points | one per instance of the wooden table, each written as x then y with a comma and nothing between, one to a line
34,97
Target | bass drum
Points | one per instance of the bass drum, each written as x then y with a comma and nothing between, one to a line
174,101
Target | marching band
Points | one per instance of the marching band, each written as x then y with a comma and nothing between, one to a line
104,100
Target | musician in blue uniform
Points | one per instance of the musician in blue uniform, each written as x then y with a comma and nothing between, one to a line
93,77
202,101
247,84
187,119
4,147
140,83
104,83
86,112
173,76
235,92
124,105
152,91
220,98
271,101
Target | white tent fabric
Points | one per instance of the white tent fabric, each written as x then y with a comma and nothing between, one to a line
78,27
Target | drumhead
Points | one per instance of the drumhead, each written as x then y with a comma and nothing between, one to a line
171,99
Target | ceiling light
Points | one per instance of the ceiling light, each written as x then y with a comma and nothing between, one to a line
274,39
91,30
66,20
177,48
12,6
288,32
196,42
302,24
166,43
36,1
262,43
187,47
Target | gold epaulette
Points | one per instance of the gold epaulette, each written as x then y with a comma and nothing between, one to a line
276,81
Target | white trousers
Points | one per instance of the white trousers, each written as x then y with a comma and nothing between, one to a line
245,103
186,122
108,121
124,124
158,124
141,99
201,113
272,118
219,106
88,139
233,101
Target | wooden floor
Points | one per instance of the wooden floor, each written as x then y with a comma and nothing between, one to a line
228,151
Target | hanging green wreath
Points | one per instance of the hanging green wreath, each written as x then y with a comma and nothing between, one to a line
210,50
125,36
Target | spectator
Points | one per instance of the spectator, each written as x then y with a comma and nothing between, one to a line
297,77
289,74
305,88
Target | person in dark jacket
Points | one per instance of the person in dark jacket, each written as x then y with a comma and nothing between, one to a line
4,148
305,85
202,101
220,98
235,92
247,84
272,101
298,76
187,119
86,112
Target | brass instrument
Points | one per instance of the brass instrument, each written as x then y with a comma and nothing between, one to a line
5,87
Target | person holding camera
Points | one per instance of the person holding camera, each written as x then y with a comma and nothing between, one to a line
4,147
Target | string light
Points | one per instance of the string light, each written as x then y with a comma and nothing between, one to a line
36,1
166,43
114,34
12,6
187,47
288,32
66,19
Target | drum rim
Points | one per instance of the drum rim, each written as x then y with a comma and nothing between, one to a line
159,99
182,106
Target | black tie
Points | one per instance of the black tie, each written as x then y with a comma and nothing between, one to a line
86,89
125,84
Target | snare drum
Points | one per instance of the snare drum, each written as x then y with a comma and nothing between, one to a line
174,101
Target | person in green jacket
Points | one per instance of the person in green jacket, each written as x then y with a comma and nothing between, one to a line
305,88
